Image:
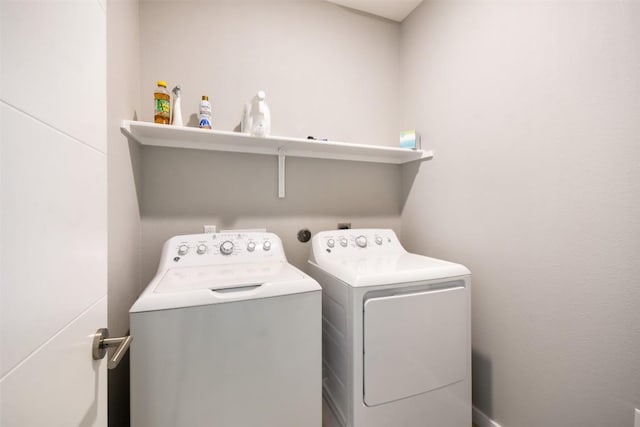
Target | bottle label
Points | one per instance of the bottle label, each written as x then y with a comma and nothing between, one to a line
205,123
163,107
205,107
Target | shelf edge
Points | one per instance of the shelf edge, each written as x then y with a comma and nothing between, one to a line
125,129
292,147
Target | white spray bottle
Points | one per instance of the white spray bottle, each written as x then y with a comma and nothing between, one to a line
176,111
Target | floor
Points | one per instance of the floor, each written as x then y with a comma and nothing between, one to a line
329,420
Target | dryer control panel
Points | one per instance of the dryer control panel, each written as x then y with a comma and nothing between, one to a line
221,248
355,242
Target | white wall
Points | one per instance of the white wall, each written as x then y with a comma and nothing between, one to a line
124,239
327,71
532,109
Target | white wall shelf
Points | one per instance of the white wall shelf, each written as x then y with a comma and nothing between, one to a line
205,139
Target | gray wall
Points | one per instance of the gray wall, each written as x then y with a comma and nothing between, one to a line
327,71
182,190
532,109
124,233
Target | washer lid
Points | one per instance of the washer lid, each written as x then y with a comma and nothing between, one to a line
384,269
225,276
193,286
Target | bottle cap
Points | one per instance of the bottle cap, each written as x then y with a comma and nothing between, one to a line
205,98
162,83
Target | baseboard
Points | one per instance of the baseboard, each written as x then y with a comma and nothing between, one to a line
481,420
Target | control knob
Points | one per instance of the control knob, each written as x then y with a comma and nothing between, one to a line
251,246
378,240
266,245
226,247
183,249
361,241
331,243
202,249
343,242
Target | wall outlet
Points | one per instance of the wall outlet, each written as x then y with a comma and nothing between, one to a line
637,419
209,228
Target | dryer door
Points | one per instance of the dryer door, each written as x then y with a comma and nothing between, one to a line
414,343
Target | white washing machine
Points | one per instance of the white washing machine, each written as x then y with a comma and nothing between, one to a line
227,334
396,332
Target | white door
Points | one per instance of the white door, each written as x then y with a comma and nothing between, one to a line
53,247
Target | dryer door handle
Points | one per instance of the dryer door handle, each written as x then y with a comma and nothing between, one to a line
101,342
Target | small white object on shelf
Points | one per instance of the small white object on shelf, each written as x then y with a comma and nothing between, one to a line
410,139
204,139
257,116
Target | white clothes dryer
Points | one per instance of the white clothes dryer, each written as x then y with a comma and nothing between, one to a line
227,334
396,332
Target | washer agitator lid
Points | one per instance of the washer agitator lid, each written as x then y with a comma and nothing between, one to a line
371,257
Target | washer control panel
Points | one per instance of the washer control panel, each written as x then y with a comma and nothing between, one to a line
222,248
353,242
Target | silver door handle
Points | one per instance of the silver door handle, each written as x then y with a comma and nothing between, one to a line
101,342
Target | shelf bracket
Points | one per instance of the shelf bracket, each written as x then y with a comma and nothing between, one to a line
281,168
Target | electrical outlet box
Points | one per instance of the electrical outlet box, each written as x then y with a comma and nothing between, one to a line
636,423
344,225
209,228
